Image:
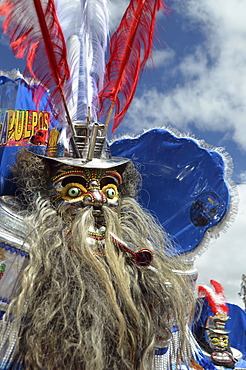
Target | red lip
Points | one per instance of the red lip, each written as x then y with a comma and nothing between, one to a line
224,357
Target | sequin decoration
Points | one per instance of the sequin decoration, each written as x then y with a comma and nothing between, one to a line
2,269
12,250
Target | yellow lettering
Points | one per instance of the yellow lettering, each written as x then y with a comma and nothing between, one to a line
27,133
40,121
46,120
19,117
34,121
11,122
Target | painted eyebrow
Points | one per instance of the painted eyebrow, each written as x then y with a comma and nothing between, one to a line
74,179
69,173
114,175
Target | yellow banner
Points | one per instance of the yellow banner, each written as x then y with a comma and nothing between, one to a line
23,127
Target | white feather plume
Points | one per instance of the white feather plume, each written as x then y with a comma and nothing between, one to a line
85,28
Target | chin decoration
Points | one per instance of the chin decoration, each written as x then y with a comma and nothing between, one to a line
215,339
88,278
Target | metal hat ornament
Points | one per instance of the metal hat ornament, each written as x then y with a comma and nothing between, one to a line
64,44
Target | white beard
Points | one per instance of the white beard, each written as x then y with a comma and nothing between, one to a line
87,305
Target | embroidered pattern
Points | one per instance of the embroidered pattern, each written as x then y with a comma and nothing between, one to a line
12,250
2,256
2,269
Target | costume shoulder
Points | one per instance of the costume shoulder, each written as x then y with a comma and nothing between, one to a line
13,230
13,248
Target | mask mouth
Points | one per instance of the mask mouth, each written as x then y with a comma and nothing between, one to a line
97,210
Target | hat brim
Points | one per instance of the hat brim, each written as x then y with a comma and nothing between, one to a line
94,163
218,331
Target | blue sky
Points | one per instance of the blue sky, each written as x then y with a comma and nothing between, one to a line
196,84
198,78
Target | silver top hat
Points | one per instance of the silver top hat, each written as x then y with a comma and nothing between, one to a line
88,148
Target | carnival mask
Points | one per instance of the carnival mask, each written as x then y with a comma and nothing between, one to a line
218,341
81,187
221,353
215,336
77,188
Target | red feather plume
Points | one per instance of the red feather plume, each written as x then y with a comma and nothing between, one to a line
130,48
35,33
215,298
217,287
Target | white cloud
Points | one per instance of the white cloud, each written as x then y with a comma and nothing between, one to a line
242,177
212,93
224,260
213,96
160,58
116,10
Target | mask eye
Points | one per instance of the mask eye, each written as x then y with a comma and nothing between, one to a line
110,193
215,341
74,192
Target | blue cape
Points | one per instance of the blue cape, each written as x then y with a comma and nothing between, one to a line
183,184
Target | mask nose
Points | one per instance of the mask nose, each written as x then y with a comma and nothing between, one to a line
94,198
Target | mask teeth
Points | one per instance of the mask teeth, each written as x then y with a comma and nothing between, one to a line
90,140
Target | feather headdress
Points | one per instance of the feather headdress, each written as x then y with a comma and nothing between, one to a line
64,43
35,34
130,48
215,298
85,27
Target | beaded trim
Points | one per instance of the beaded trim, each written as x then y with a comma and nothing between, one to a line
97,236
93,174
2,270
15,250
114,174
4,302
89,175
57,177
9,350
